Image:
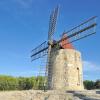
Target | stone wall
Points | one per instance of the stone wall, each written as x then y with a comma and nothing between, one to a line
66,70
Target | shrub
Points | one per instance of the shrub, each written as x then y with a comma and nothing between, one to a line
21,83
8,83
88,84
97,84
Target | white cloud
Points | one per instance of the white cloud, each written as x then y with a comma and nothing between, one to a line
24,3
90,66
91,70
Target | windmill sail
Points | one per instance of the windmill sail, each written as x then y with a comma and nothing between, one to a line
42,49
39,51
52,22
83,30
52,26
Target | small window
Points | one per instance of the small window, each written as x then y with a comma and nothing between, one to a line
77,68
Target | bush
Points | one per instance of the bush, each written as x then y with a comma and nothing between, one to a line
89,84
25,83
8,83
97,84
21,83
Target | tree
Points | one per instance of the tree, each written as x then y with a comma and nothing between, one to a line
97,84
88,84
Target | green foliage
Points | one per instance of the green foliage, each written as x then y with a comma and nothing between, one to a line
21,83
40,82
26,83
89,84
97,84
8,83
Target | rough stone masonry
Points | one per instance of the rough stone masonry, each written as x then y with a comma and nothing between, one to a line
66,70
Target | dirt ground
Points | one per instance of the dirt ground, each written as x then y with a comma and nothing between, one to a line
49,95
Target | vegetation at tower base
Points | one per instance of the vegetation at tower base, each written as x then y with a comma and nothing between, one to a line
36,83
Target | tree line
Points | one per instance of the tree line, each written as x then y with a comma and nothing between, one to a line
88,84
26,83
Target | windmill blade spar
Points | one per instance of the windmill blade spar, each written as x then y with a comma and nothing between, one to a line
39,51
83,30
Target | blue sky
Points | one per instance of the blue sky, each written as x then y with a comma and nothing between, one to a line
24,25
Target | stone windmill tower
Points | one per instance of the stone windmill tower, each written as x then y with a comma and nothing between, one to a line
64,63
67,67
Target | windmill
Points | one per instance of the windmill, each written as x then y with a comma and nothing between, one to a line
81,31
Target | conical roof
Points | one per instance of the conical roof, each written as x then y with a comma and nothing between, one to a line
65,44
